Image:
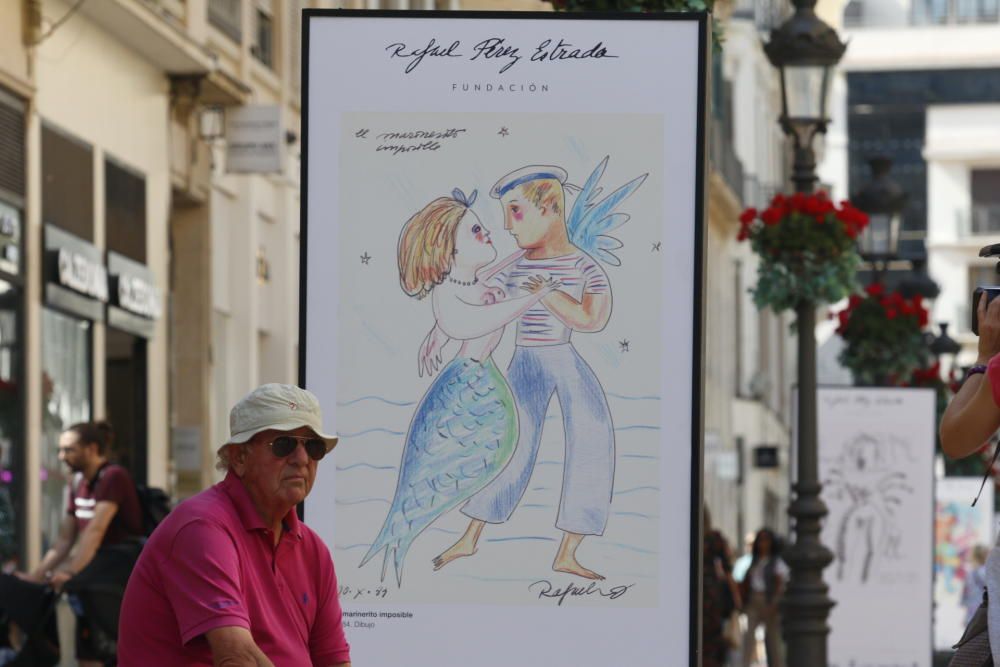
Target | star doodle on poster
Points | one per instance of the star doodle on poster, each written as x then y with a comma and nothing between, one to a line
503,132
623,344
656,246
365,258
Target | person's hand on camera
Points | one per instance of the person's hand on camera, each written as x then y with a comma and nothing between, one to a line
989,329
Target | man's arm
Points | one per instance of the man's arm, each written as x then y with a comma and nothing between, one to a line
88,543
58,552
234,647
587,316
973,415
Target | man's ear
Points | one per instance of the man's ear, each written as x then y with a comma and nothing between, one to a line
238,458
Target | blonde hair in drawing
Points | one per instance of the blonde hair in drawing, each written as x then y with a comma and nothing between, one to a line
545,192
427,245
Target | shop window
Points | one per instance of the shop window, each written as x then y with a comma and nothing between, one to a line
227,16
125,211
11,430
125,399
263,47
66,400
985,201
67,183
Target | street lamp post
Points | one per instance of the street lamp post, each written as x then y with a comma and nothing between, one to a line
883,199
805,50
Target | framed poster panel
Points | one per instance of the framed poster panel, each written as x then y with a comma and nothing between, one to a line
501,289
959,528
876,456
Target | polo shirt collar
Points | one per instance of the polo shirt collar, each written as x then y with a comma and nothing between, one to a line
233,486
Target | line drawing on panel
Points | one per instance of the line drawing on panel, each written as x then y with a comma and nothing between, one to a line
474,436
865,486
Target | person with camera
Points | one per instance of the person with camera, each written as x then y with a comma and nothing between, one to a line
969,421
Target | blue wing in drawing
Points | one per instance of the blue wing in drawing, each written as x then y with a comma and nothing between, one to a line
461,436
591,220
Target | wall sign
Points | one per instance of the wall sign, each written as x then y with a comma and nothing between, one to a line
76,278
135,299
10,239
255,140
463,173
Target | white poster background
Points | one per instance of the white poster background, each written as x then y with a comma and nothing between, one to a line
958,528
876,449
640,108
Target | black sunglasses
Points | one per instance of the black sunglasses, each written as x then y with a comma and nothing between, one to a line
284,445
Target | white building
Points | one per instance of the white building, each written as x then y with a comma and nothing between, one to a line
936,112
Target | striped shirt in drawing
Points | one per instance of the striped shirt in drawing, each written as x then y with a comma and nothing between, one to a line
579,274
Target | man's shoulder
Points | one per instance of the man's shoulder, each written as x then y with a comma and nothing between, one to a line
210,509
114,471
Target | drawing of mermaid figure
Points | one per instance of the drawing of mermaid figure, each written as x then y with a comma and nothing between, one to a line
465,428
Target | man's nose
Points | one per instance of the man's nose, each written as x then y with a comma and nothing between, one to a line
299,456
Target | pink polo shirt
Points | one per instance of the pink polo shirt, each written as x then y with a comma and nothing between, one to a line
212,563
993,375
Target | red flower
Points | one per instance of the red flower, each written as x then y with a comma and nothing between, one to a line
771,216
875,289
748,216
744,233
891,313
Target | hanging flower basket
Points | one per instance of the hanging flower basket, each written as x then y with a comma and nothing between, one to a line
883,338
807,250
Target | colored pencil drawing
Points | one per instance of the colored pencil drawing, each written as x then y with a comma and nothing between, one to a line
474,436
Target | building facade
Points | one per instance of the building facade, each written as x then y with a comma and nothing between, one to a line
934,112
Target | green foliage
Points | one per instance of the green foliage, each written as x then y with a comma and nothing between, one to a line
807,251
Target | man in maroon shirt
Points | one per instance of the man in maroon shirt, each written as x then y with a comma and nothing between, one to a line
102,513
103,508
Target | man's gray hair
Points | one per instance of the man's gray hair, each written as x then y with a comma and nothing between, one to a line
222,461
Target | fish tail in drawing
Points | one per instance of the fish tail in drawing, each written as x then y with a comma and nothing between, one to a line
462,434
395,551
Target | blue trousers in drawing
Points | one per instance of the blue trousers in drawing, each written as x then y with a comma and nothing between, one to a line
534,374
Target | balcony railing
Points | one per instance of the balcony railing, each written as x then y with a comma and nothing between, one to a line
981,220
947,12
875,14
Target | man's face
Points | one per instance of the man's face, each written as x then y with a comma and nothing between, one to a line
276,483
527,223
72,452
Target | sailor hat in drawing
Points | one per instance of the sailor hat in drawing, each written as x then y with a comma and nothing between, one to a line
278,407
525,175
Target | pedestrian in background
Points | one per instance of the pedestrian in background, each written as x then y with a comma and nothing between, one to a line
763,586
231,576
97,544
969,421
720,597
975,581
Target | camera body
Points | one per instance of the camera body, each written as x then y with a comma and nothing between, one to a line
989,293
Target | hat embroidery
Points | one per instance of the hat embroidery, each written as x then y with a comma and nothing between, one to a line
293,406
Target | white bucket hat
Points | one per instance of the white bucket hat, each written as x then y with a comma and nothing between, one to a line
279,407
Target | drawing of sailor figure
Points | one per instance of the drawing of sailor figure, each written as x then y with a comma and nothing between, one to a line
560,250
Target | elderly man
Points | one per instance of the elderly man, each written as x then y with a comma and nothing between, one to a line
231,577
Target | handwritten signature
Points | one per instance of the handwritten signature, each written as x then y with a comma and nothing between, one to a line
546,589
497,48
